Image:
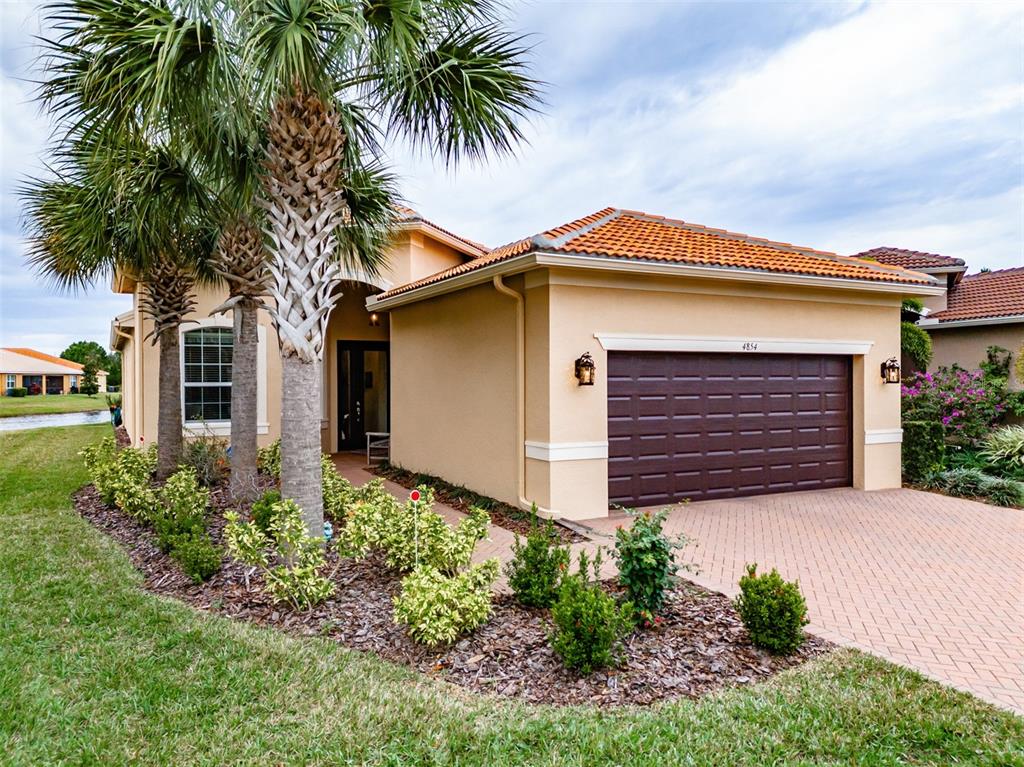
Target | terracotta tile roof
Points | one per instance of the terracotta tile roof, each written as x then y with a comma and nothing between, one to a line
908,259
985,295
632,235
410,216
43,356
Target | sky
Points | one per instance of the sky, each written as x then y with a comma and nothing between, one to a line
836,126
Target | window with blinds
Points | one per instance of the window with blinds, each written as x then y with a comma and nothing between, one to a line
207,380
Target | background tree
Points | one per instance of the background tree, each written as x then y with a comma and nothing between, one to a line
89,385
79,351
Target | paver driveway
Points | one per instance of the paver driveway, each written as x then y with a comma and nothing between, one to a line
927,581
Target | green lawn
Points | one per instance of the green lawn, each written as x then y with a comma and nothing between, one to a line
54,403
95,671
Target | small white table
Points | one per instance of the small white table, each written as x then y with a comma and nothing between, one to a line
378,446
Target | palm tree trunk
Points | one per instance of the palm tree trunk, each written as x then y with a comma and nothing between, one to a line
169,442
243,402
300,439
305,204
166,300
240,260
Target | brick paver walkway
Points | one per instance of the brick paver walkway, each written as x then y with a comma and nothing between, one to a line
927,581
930,582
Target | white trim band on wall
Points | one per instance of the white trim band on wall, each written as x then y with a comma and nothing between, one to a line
566,451
749,345
216,428
883,436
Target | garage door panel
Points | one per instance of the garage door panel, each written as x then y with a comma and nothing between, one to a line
717,425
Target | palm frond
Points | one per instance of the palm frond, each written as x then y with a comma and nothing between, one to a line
370,193
465,95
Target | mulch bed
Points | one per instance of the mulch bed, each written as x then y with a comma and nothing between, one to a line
701,646
502,514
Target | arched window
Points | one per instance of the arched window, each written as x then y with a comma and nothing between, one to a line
207,379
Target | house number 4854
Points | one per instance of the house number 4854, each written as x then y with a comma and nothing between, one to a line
750,346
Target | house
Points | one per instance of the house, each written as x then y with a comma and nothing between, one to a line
622,358
975,311
41,373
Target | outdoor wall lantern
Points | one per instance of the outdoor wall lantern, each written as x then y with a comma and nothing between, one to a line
891,371
585,369
374,320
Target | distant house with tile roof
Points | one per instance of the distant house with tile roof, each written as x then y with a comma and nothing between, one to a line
975,312
41,373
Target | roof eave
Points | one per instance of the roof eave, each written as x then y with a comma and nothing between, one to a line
536,258
1006,319
441,236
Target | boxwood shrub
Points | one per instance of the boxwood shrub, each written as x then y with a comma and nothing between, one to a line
924,449
773,610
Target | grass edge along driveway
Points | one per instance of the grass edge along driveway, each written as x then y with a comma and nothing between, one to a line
93,670
10,407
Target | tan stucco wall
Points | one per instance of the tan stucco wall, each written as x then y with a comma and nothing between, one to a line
452,390
966,346
576,307
456,348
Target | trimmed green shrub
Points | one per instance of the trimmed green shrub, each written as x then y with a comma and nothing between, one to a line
19,391
268,459
182,509
196,553
923,450
537,566
773,610
438,608
290,560
338,492
263,510
646,562
1002,492
588,624
409,535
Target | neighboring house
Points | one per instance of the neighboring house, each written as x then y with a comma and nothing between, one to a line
976,311
724,365
41,373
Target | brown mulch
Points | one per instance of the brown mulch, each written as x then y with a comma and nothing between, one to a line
121,437
502,514
700,646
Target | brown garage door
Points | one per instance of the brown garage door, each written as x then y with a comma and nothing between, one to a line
703,426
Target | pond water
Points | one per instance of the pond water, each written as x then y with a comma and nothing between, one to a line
21,422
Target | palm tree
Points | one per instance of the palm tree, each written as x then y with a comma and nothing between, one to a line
327,80
135,208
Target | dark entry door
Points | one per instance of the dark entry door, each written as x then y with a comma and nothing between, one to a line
363,391
701,426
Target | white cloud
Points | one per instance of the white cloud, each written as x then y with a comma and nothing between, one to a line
909,95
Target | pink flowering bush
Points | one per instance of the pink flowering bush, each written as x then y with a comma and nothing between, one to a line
963,401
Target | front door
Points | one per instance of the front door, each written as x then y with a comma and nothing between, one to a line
363,391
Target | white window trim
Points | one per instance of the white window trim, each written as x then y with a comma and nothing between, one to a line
566,451
223,428
12,380
749,345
